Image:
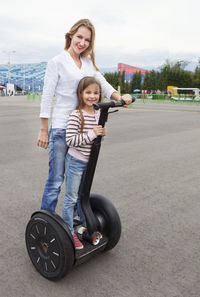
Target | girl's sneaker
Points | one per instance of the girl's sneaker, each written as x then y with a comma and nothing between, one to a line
77,243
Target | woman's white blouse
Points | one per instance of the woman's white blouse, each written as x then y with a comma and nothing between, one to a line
61,80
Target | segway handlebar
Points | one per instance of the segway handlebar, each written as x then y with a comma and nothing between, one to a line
111,103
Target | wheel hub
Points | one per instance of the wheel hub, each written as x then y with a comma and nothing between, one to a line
45,246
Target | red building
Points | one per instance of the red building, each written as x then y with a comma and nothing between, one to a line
130,69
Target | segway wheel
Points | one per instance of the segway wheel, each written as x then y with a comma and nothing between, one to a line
108,217
49,247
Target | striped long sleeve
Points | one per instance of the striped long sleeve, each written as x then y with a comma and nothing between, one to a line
81,141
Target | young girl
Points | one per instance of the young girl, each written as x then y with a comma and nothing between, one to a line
81,130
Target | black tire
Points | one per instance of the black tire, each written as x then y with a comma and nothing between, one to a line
108,217
49,247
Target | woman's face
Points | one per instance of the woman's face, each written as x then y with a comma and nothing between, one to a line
80,41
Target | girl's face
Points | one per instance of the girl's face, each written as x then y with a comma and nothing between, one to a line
80,41
91,95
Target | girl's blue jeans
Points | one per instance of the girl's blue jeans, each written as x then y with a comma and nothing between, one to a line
57,154
75,173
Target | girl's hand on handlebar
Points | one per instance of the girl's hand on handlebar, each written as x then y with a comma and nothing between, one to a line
43,139
128,99
98,130
104,131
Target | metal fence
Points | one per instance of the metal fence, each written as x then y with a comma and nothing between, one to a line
162,97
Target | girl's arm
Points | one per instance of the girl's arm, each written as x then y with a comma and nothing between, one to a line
73,137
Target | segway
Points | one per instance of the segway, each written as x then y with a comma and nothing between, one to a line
49,241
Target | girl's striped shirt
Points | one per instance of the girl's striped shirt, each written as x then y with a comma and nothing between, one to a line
80,143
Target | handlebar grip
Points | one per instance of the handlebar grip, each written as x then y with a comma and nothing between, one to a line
111,103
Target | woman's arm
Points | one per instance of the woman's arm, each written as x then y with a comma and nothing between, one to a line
107,89
50,83
110,92
43,140
126,97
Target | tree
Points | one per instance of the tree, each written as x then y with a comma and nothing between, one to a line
196,77
150,80
173,74
112,78
136,81
117,79
146,83
169,74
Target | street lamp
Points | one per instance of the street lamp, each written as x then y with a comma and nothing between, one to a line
24,84
9,53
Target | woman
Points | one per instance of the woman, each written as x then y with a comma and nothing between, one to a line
62,76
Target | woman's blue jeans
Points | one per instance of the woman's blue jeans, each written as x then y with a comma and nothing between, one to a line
75,173
57,154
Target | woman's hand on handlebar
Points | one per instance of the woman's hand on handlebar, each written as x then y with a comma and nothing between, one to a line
128,99
43,139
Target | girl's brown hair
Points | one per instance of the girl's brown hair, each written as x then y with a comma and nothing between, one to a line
74,29
83,84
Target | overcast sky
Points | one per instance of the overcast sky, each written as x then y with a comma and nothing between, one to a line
141,33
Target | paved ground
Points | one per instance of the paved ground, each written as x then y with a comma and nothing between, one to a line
149,167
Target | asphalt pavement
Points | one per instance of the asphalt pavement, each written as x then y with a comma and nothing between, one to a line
149,166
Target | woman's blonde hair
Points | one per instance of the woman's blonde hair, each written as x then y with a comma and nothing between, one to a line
74,29
83,84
